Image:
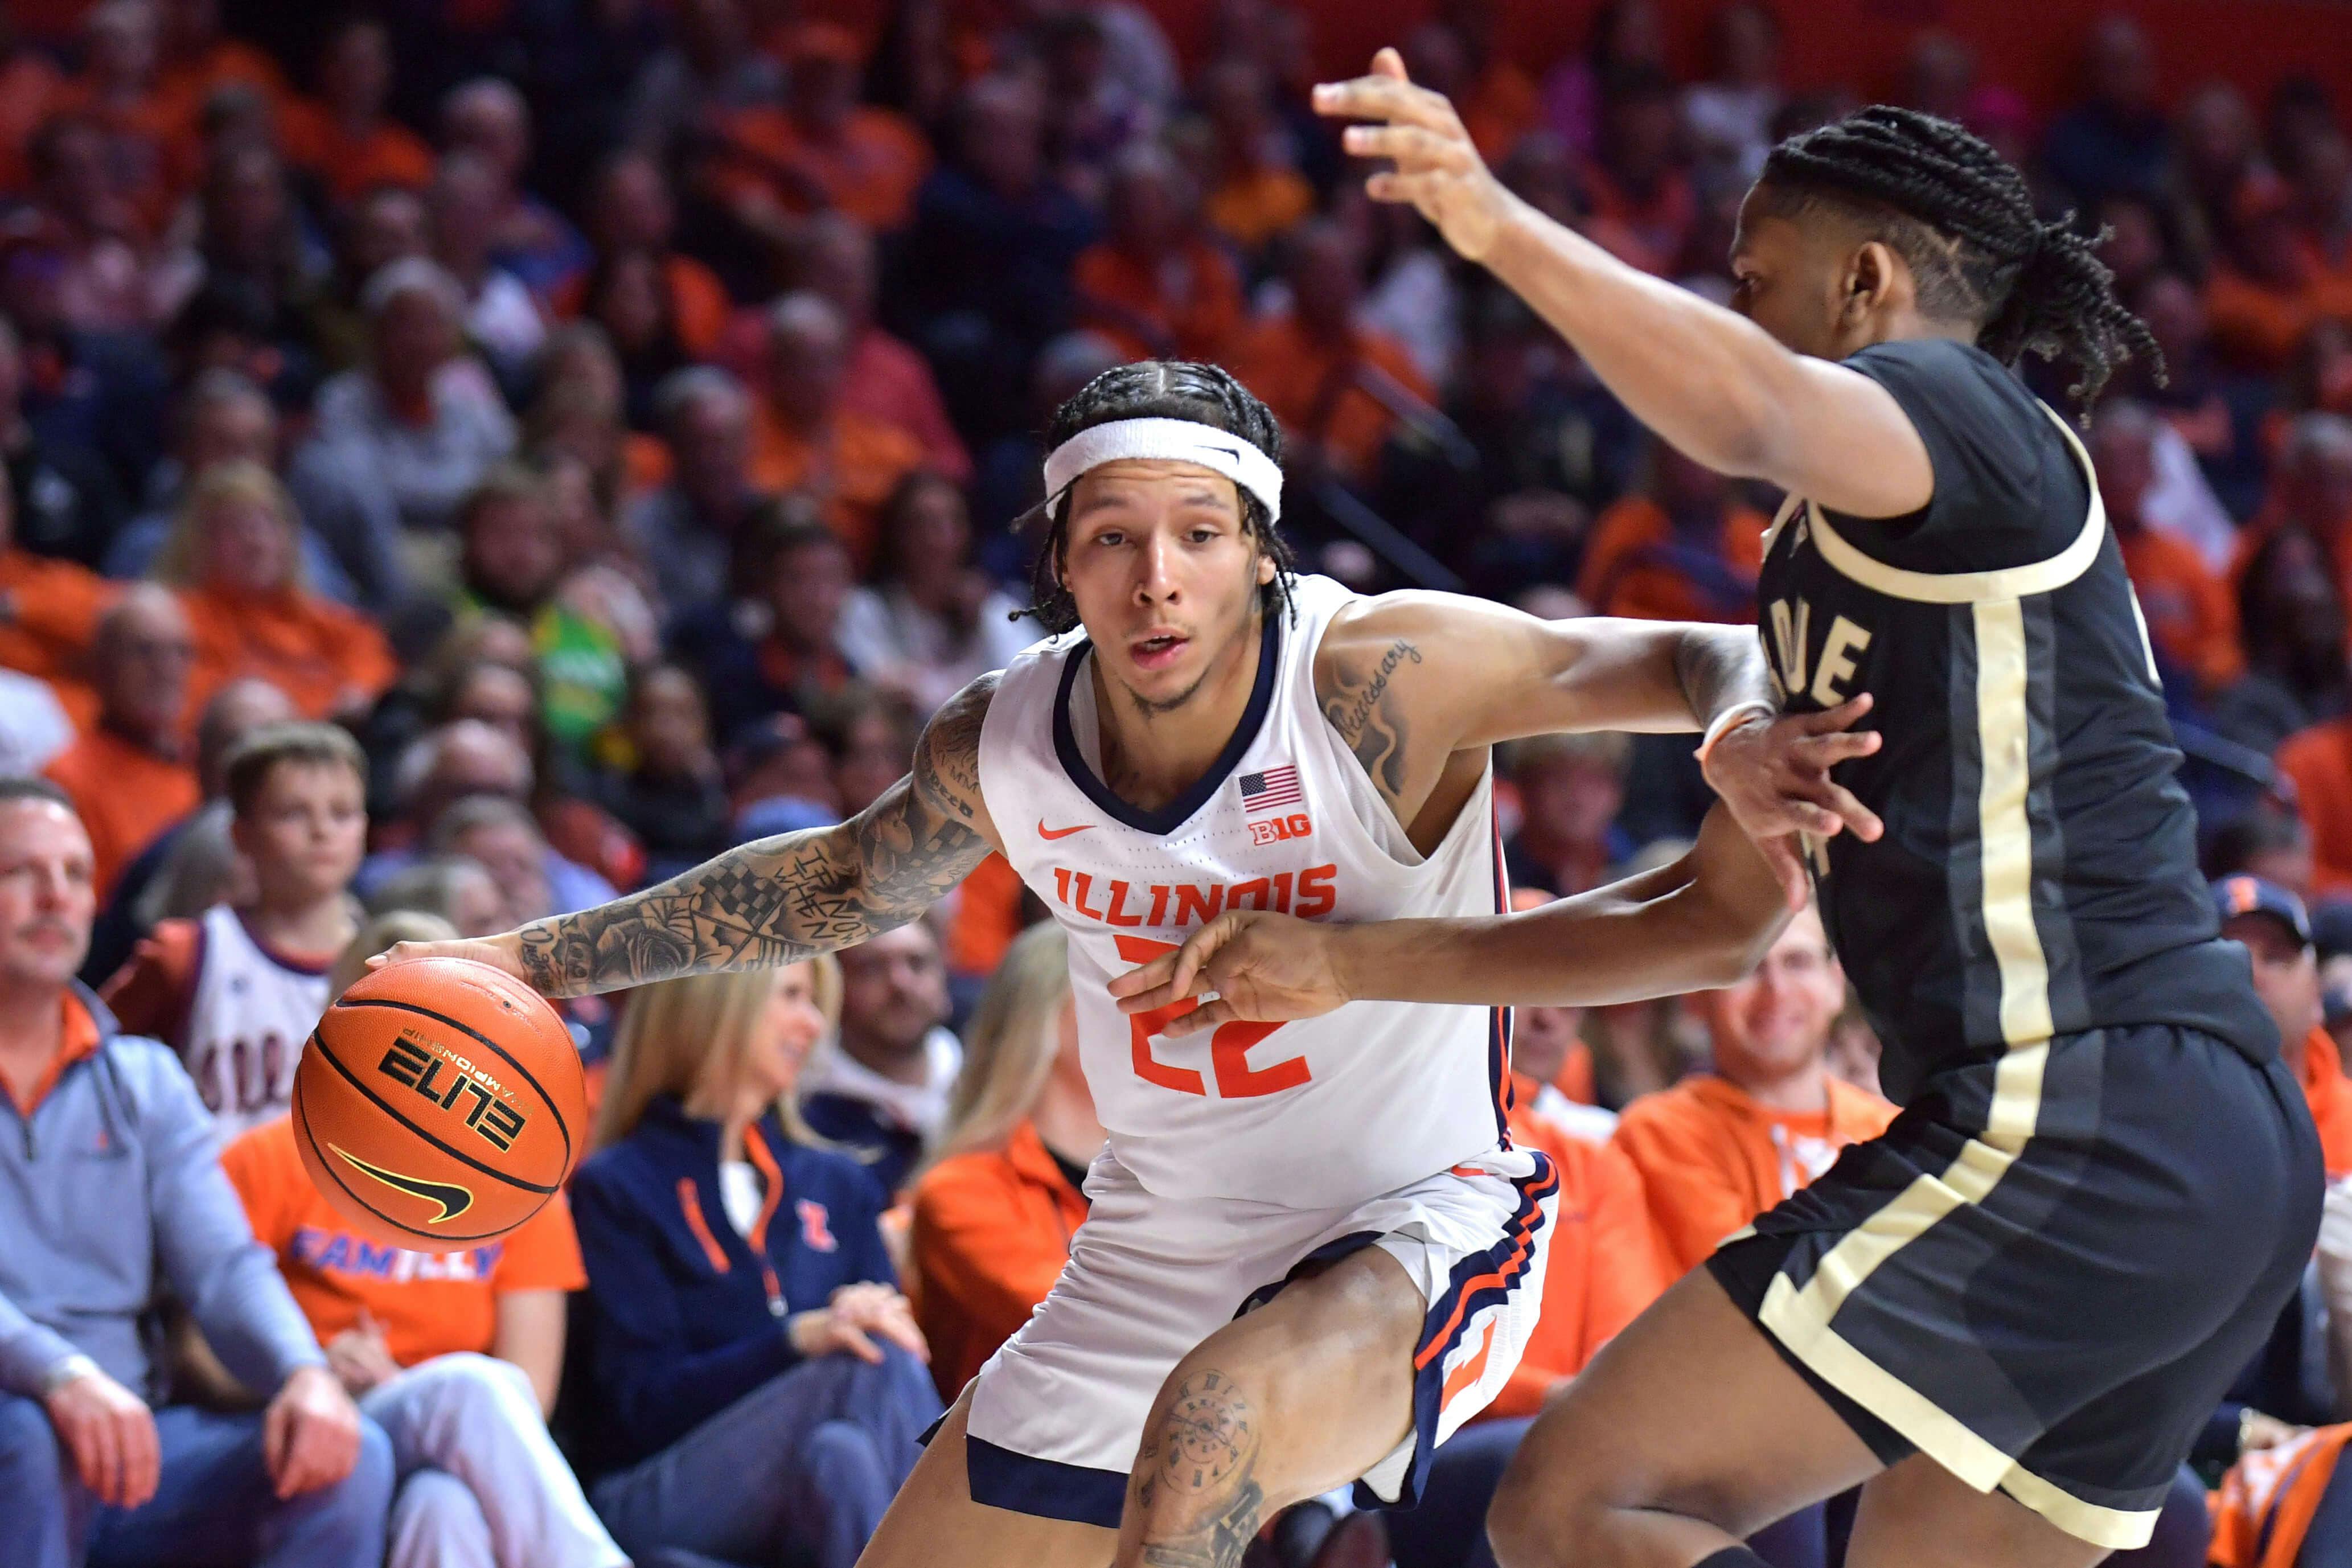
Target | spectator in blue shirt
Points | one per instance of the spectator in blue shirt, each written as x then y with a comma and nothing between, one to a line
759,1382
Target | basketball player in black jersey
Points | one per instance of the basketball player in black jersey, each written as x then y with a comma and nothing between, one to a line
2006,1317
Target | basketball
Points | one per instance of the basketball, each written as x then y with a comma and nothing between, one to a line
439,1103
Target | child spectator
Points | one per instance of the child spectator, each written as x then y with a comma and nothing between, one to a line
1716,1151
777,646
994,1210
455,1354
672,798
805,439
236,991
882,1093
1154,284
710,1221
93,1465
932,622
128,775
1686,550
235,556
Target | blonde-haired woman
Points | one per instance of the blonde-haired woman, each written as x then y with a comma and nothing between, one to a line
758,1381
994,1212
234,555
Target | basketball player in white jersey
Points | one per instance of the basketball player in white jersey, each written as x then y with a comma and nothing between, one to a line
1312,1252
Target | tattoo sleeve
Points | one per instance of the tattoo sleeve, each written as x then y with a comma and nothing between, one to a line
785,899
1720,667
1368,715
1196,1478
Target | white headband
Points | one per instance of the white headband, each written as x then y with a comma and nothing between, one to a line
1169,440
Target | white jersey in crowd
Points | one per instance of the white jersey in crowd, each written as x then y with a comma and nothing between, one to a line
246,1023
1324,1112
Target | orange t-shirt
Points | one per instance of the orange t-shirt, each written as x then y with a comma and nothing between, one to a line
2330,1094
386,153
698,308
1605,1265
316,651
1501,106
2191,613
870,171
427,1304
186,84
1185,305
2318,761
1309,387
2268,1501
992,1232
1636,567
851,468
1712,1159
1252,205
125,795
985,919
49,618
2257,326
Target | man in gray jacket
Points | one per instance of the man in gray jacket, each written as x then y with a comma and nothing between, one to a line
112,1191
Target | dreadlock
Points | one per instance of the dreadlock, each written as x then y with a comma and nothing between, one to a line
1961,216
1156,389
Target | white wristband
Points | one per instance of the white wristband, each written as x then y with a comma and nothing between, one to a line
1724,722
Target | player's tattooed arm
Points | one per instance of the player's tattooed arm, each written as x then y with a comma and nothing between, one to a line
1361,698
1195,1477
785,899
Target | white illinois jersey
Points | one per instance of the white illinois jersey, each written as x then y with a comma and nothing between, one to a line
1319,1113
247,1023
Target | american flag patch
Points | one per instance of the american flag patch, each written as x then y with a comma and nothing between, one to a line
1271,790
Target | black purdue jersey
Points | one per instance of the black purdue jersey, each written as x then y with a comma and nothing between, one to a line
2038,874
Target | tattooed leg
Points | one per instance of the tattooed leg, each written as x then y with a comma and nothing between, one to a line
1195,1477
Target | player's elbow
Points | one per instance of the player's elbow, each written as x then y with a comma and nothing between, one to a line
1734,943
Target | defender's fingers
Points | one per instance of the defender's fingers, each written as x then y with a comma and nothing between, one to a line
1780,854
1414,150
1383,97
1854,815
1838,718
1414,190
1828,751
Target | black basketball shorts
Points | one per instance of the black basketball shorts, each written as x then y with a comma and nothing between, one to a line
2050,1268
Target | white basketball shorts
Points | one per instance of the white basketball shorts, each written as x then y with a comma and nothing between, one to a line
1057,1414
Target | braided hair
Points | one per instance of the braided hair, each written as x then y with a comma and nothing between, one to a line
1157,389
1961,216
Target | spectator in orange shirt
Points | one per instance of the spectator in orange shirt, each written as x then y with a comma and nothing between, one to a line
1005,1189
1155,285
1334,385
887,378
235,556
1643,208
153,147
48,614
2270,924
345,138
455,1354
128,775
821,149
1686,550
1716,1151
1253,193
199,59
633,210
2269,287
2191,618
805,439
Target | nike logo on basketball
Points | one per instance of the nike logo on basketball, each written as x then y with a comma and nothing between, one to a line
1046,832
454,1200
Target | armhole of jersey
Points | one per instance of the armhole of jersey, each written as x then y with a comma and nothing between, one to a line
2043,576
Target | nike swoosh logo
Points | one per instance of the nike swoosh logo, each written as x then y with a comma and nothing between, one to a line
1046,832
454,1200
1229,451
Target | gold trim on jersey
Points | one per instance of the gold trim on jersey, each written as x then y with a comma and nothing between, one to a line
1966,587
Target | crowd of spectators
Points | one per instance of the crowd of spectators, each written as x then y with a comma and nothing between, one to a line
461,461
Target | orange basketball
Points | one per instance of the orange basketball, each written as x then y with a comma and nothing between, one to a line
439,1103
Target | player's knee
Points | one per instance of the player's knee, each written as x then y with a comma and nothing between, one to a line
1537,1508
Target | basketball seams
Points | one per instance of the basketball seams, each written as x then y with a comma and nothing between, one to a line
302,1127
545,1098
457,1155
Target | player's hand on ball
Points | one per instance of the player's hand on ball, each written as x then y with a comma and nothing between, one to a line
1262,967
1774,776
502,952
1437,168
111,1434
310,1434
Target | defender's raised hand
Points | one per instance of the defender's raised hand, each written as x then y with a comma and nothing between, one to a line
1437,168
1265,967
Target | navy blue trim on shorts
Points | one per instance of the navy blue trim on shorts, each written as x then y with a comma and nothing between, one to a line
1046,1488
1331,1251
1477,1282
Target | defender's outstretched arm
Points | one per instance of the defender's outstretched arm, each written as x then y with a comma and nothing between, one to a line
1701,922
779,899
